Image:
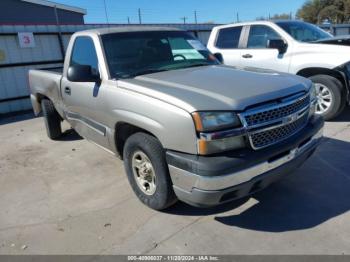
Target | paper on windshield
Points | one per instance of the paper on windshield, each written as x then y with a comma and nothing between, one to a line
196,44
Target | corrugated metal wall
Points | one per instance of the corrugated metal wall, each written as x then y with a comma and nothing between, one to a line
47,53
22,12
337,30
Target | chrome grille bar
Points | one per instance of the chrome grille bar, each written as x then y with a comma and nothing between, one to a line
272,124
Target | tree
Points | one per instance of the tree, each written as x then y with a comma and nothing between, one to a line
316,11
261,18
309,12
209,22
281,16
331,13
275,17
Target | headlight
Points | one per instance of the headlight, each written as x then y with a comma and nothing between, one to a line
313,100
214,121
313,94
213,127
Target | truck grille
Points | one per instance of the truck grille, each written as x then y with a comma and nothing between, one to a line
277,113
272,124
266,138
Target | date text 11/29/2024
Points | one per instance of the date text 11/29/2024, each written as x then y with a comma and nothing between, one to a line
173,258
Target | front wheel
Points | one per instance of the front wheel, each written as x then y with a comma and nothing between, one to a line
330,101
147,171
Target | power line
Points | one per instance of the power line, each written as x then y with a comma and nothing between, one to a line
100,12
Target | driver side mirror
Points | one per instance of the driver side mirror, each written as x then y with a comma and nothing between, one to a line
83,73
278,44
219,57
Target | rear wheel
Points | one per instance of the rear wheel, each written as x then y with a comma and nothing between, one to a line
330,101
147,171
52,119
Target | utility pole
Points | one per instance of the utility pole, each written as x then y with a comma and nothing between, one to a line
184,18
60,38
140,20
104,2
129,20
195,16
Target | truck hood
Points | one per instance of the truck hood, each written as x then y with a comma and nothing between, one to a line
322,54
216,87
338,40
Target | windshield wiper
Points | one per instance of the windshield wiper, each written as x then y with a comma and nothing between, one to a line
152,70
197,65
148,71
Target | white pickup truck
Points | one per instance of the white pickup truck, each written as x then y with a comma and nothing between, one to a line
293,47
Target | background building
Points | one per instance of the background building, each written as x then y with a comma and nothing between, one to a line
30,37
39,12
33,37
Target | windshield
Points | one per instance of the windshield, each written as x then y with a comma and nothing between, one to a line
137,53
304,32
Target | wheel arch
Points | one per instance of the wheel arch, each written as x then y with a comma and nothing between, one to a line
312,71
36,102
123,130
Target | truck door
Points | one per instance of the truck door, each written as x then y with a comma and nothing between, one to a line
256,54
80,98
227,43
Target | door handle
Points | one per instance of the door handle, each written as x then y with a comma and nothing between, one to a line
67,90
247,56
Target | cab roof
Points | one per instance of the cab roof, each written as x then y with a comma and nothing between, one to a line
125,29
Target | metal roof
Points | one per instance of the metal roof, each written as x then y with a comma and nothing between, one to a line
59,6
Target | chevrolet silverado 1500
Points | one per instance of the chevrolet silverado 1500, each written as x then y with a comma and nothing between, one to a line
186,126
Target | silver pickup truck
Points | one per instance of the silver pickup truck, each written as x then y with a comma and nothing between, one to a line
186,126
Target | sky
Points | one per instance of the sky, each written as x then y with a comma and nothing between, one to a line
164,11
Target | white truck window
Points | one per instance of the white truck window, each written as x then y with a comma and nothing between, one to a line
229,37
259,35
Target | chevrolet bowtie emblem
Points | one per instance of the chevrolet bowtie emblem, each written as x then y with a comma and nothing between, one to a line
290,118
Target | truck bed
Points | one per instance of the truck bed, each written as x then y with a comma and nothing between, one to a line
46,83
53,69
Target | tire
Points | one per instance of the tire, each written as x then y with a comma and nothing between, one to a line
335,87
52,119
143,146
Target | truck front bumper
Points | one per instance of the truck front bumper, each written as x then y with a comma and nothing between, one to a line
211,180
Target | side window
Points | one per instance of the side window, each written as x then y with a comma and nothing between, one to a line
229,37
259,35
84,53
